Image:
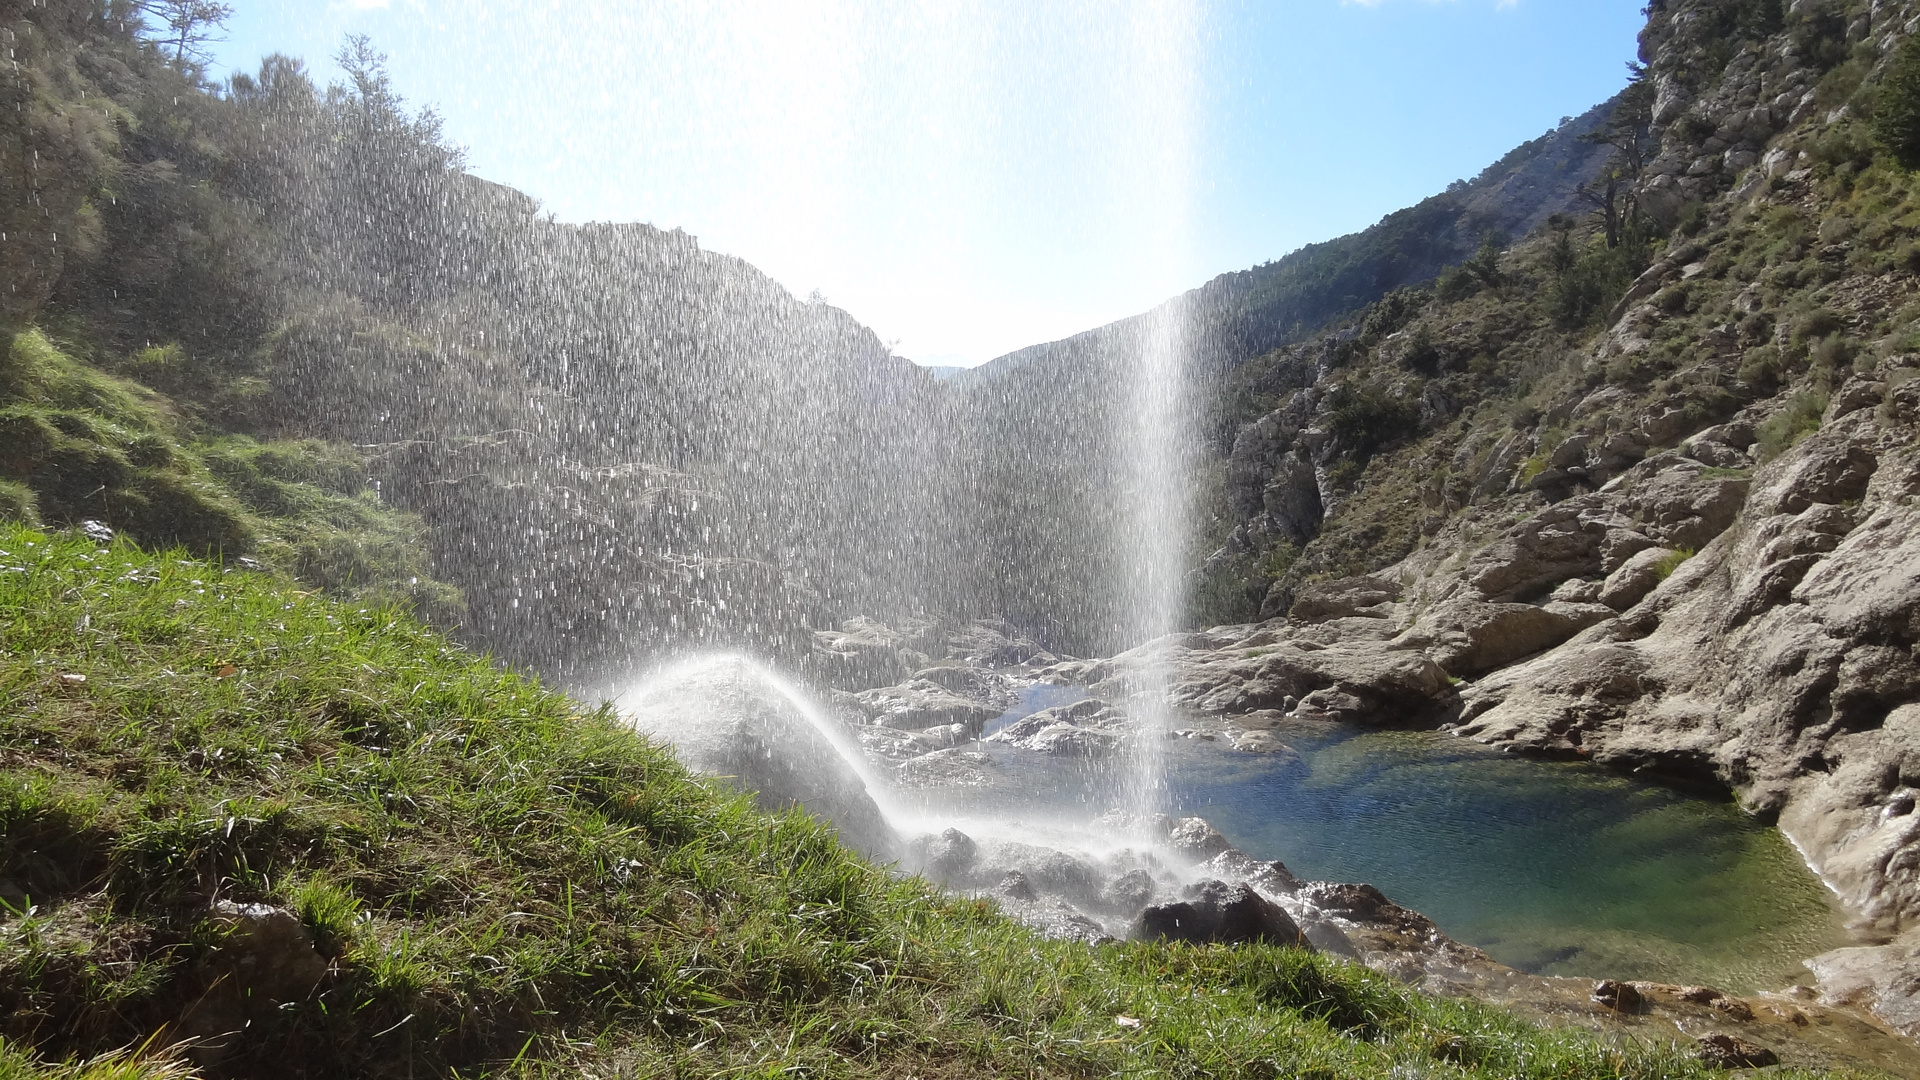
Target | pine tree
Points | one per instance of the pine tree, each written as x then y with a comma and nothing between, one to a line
1896,121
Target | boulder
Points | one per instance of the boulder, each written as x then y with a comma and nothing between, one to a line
1360,681
1722,1051
1826,467
1217,912
1637,577
861,653
1617,996
955,768
1471,637
1291,499
268,951
1344,598
1194,838
1090,728
943,857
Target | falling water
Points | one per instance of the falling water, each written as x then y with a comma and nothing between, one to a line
1155,513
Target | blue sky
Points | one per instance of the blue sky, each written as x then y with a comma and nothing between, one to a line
971,176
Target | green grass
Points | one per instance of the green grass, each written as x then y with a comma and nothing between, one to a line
1670,562
508,883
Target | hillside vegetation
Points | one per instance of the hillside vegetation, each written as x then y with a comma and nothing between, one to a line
1538,371
489,878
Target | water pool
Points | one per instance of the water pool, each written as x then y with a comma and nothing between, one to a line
1552,867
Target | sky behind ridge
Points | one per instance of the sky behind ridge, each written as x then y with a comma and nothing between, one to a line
968,178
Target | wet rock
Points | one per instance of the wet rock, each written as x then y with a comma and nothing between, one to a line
1262,742
1130,892
1015,885
921,704
1217,912
945,769
945,857
1721,1051
1616,995
1090,728
1195,839
1884,979
862,653
1234,865
897,745
1048,871
1056,920
969,681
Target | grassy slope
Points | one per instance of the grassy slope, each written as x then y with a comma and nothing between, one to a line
78,442
506,883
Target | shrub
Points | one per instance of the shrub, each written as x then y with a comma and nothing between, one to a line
1798,419
1896,120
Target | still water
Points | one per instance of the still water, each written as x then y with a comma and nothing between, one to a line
1553,867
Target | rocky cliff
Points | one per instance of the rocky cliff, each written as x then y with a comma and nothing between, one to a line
1641,491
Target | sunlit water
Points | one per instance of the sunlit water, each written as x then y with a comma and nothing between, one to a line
1556,868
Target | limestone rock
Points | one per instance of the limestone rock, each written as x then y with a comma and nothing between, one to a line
1090,728
920,704
1359,681
1469,637
1343,598
1636,578
945,857
955,768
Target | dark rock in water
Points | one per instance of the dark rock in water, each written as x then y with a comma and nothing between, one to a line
1218,912
1616,995
1129,892
1733,1052
1016,886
